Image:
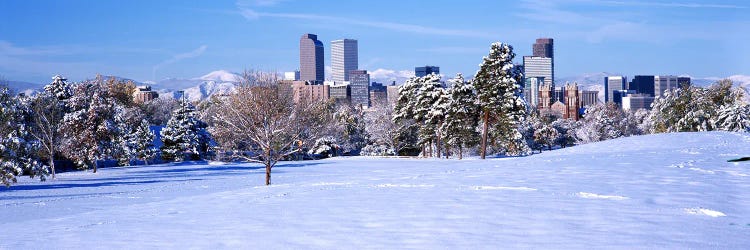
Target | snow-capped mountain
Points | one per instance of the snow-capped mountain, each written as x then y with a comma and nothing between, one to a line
27,88
199,88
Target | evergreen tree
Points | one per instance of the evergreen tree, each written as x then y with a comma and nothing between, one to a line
734,118
429,92
184,134
462,116
60,88
545,136
499,100
138,144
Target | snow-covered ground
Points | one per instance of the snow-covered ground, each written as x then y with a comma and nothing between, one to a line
656,191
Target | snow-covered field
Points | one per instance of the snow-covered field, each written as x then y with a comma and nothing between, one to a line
656,191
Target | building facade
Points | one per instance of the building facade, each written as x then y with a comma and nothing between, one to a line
426,70
642,84
344,59
359,82
612,84
535,66
311,61
663,83
588,97
637,101
571,102
531,90
144,94
544,47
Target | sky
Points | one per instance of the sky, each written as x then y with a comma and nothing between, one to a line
154,40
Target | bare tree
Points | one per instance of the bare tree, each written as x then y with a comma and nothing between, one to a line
260,121
47,116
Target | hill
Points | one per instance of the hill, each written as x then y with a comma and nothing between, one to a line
656,191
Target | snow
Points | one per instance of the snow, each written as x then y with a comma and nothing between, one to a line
221,76
635,192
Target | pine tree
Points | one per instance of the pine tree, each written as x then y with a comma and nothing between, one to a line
545,136
734,118
138,143
429,92
184,134
499,100
462,116
60,88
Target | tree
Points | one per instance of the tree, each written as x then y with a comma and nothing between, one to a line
16,145
48,113
404,114
436,118
90,132
261,122
734,118
565,132
462,116
499,99
138,143
382,129
693,108
546,135
185,134
159,110
601,122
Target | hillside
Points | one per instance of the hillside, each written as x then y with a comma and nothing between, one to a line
655,191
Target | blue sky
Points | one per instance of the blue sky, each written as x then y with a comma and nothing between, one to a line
152,40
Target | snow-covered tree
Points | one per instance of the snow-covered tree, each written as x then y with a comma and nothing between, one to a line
546,136
325,147
260,122
138,143
185,135
16,145
565,132
436,117
692,108
601,122
60,88
734,118
462,116
416,99
499,99
90,132
382,129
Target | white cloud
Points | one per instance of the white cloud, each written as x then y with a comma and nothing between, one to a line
250,14
179,57
388,75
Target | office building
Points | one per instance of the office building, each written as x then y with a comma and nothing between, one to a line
378,94
612,84
344,59
426,70
311,64
664,83
304,92
588,97
642,84
535,66
617,95
531,90
338,91
637,101
543,48
359,82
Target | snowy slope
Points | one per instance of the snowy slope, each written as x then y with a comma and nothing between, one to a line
199,88
656,191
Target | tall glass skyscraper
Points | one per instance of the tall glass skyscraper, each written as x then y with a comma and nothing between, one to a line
611,85
311,64
535,66
426,70
344,59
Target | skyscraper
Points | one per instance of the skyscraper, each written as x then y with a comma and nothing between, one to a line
544,47
535,66
359,81
311,65
344,59
531,90
426,70
612,84
642,85
663,83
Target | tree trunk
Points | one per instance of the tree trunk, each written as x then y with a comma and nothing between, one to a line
438,147
268,168
95,163
484,134
460,152
52,165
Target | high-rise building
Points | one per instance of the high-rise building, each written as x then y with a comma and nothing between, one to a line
531,90
588,97
426,70
535,66
663,83
637,101
378,94
344,59
359,81
543,47
612,84
642,85
311,64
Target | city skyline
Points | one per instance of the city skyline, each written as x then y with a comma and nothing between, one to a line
145,43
